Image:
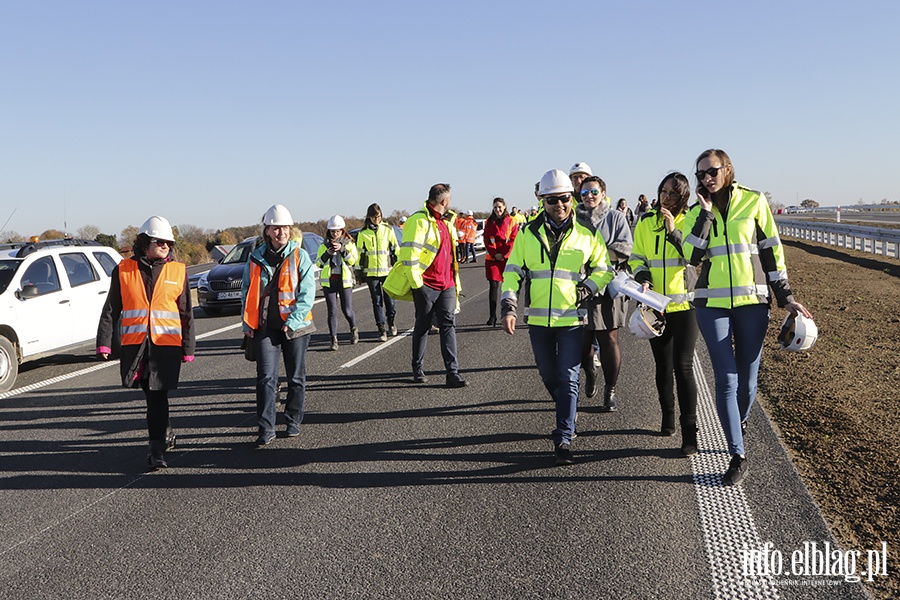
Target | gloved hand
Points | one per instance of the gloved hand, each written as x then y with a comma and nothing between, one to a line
584,294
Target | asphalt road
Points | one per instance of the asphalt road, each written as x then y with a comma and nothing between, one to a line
393,490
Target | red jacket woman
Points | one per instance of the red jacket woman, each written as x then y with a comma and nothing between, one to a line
499,234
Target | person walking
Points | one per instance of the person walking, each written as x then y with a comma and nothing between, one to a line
500,232
643,206
428,274
377,245
657,261
578,173
605,313
623,208
731,233
277,294
336,258
470,233
149,301
565,264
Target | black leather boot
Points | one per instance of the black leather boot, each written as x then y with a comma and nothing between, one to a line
157,457
688,439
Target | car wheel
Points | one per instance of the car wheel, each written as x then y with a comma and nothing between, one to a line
9,364
211,312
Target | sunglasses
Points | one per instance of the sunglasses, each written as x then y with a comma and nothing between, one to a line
712,172
554,200
593,192
161,242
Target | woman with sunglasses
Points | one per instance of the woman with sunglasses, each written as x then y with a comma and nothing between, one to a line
731,233
499,234
605,314
658,263
150,294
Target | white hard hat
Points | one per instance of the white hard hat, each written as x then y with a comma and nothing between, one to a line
555,181
158,228
798,333
534,208
646,323
469,212
278,216
403,219
581,167
336,222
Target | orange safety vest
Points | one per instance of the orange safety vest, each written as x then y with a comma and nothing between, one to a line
288,279
159,315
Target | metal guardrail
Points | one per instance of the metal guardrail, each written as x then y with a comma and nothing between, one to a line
856,237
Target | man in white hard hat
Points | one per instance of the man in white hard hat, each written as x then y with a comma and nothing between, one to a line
578,173
566,265
427,273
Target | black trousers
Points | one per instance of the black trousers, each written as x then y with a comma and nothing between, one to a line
674,354
157,411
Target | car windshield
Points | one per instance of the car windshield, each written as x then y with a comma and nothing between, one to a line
7,270
238,254
311,243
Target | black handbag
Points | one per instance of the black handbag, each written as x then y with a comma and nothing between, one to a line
248,345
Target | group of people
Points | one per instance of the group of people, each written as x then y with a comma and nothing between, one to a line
555,268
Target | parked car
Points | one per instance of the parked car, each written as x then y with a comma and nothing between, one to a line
51,296
479,234
220,287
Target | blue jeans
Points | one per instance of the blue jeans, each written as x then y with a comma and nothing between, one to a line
557,352
380,300
439,306
270,345
734,338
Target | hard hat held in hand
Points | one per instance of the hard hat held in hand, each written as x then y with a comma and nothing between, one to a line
336,223
647,323
797,333
278,216
555,182
158,228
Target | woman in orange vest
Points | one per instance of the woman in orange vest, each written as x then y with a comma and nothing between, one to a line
278,290
150,294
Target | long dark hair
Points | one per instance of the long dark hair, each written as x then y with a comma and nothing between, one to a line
373,211
682,189
494,216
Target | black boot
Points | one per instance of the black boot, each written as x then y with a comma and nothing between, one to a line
688,439
668,422
157,457
609,399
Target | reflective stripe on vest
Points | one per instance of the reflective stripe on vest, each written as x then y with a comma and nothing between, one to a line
158,315
288,280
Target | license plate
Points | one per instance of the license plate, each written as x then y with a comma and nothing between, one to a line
229,295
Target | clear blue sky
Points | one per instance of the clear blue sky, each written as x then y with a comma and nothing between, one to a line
209,112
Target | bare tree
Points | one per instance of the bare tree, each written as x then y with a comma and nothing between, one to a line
128,235
8,237
88,232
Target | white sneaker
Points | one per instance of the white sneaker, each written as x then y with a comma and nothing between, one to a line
597,361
